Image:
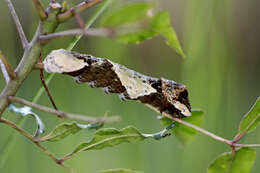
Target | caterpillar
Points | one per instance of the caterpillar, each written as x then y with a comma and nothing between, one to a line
162,94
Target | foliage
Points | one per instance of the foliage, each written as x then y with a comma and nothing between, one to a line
251,119
144,22
241,162
130,24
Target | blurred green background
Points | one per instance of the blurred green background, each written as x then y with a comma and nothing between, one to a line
221,40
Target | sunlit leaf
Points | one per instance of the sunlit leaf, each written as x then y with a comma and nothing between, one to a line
65,129
127,14
184,133
120,170
242,162
109,137
251,119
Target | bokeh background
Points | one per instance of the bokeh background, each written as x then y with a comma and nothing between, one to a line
222,72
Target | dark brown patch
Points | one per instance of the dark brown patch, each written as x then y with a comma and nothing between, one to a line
100,74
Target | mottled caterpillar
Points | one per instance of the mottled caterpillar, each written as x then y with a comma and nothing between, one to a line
162,94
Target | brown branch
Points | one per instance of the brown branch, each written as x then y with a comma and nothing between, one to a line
79,20
63,114
35,141
247,145
45,86
80,7
102,32
17,24
231,143
203,131
40,10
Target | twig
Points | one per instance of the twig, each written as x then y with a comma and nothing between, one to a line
247,145
79,20
40,10
63,114
17,23
103,32
35,141
205,132
80,7
45,86
218,138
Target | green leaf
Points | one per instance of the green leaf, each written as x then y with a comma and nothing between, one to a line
221,164
161,23
65,129
251,119
184,133
109,137
127,14
62,131
120,170
242,162
137,37
149,25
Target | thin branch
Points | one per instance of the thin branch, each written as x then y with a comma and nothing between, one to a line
63,114
205,132
45,86
80,7
247,145
20,130
6,67
17,23
102,32
79,20
40,10
31,138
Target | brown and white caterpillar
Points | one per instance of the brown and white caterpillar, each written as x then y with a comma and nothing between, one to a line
162,94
